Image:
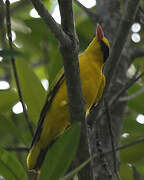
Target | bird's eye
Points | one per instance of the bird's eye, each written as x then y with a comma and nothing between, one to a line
105,50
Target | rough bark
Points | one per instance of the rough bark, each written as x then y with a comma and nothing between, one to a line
99,135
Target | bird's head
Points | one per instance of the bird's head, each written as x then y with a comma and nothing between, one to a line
99,45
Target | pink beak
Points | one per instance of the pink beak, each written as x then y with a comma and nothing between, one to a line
99,32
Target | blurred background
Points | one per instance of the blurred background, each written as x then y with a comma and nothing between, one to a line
39,61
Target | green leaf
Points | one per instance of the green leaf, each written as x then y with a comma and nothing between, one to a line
85,34
132,127
54,65
126,172
7,99
10,167
140,168
8,129
136,103
61,154
32,89
76,170
32,42
132,154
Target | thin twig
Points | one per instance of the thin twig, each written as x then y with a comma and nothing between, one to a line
17,149
109,118
14,67
123,89
124,146
92,114
138,141
127,98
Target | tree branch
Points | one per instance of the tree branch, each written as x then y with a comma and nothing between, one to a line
113,62
124,146
127,98
100,155
121,37
69,50
14,67
71,67
60,35
93,117
95,155
130,144
109,118
6,68
2,27
70,61
67,20
17,149
124,88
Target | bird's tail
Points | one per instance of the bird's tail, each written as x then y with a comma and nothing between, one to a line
35,157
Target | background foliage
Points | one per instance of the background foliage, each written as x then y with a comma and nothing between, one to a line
39,60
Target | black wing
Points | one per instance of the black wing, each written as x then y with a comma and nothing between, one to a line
47,105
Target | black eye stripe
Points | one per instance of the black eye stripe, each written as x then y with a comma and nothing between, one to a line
105,50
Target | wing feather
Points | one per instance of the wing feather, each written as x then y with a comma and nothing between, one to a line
60,78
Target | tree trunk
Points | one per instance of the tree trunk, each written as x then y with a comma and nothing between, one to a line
100,138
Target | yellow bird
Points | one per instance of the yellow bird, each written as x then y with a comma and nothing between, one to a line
55,115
